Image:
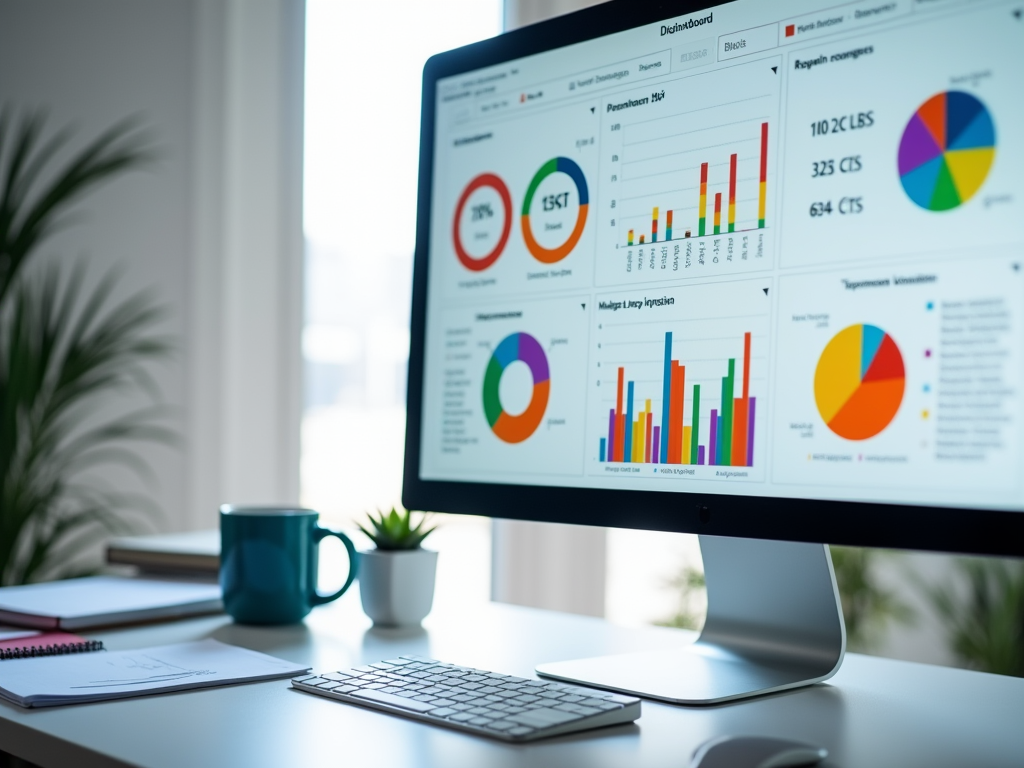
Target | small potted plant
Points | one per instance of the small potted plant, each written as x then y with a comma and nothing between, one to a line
396,579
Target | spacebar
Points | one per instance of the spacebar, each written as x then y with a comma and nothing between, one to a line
394,701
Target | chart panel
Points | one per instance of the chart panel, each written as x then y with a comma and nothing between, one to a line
679,383
512,204
688,176
895,147
506,398
903,378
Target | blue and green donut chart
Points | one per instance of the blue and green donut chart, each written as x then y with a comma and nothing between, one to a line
525,348
573,171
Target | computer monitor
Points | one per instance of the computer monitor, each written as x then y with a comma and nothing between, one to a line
752,271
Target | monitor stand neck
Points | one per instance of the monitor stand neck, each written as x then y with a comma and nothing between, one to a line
774,622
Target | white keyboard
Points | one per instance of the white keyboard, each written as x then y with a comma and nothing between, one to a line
473,700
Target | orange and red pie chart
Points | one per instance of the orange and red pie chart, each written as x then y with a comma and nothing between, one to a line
859,382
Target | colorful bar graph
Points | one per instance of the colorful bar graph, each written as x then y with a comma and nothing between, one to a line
730,203
702,210
763,190
645,438
732,192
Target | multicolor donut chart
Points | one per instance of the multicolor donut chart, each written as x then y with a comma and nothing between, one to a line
523,347
573,171
494,182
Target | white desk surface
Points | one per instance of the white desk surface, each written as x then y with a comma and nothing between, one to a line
875,713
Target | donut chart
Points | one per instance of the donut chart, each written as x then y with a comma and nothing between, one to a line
573,171
484,180
946,151
525,348
859,382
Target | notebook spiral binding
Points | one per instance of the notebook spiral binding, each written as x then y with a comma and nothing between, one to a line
60,649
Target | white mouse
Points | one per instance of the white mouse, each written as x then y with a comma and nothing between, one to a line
755,752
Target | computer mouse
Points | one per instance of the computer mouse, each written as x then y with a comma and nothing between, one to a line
755,752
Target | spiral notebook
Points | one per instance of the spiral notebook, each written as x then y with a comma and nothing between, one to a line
26,644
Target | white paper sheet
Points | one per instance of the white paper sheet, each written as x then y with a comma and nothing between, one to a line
99,676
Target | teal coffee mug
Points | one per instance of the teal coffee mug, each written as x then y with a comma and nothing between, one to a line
268,563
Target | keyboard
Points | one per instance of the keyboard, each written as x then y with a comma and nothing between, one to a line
473,700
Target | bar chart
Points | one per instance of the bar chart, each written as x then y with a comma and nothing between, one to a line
754,209
667,438
689,181
682,388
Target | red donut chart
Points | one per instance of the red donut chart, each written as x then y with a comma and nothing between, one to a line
495,183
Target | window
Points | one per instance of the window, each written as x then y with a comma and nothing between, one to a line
363,77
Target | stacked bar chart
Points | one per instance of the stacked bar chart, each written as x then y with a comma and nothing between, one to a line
725,174
673,436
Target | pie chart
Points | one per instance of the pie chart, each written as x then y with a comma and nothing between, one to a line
946,151
859,382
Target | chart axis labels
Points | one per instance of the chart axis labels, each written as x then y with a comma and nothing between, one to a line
525,348
946,151
859,382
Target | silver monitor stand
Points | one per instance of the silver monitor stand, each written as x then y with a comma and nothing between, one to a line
774,621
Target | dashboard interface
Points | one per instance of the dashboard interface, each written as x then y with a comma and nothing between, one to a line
770,249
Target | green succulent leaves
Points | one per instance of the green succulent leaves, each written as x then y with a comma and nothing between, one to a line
394,530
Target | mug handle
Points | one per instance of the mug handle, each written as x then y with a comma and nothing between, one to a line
319,534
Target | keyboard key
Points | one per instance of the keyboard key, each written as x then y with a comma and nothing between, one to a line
345,689
443,702
471,686
442,712
521,730
525,699
382,665
302,679
543,718
423,697
461,707
337,676
479,711
398,662
474,678
464,697
330,686
501,725
489,689
571,699
462,717
394,701
316,681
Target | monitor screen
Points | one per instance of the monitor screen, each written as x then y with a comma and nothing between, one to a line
764,250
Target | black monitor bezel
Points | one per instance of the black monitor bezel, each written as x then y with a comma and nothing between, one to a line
836,522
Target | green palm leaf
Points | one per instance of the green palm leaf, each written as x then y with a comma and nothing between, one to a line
66,354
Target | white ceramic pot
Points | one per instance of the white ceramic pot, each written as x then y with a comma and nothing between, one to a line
397,587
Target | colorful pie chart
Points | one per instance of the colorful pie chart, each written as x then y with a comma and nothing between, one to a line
859,382
946,151
522,347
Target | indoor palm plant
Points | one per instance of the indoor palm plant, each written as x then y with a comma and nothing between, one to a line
396,578
66,352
